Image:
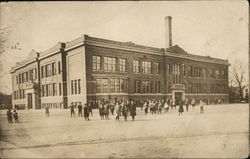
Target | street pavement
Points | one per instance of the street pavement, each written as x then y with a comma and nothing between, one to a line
221,132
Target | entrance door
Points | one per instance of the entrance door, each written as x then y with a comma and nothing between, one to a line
29,100
178,98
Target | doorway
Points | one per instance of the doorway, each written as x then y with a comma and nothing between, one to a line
29,95
178,97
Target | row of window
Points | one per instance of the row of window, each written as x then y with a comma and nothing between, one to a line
51,90
50,69
46,71
27,76
76,86
147,86
110,64
191,71
19,94
111,85
202,88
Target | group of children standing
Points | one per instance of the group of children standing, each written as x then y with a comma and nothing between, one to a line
156,106
119,108
87,109
11,115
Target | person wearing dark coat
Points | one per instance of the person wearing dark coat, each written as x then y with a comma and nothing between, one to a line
79,109
133,110
90,106
47,110
112,107
86,112
106,111
186,103
117,111
100,109
125,112
72,109
15,115
180,107
9,116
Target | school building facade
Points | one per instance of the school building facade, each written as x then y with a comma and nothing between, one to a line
90,68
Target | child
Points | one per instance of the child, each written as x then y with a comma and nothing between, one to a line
201,107
15,115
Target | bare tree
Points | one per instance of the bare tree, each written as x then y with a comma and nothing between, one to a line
238,76
5,43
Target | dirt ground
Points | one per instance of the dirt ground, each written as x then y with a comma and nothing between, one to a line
221,132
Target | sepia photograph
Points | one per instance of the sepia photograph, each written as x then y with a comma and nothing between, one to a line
124,79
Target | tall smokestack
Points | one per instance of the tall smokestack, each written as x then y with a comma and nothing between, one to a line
168,25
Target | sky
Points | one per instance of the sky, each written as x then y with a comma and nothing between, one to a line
215,28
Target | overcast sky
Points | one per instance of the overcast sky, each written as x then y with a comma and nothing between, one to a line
216,28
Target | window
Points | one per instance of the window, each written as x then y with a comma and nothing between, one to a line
157,87
223,74
146,87
122,85
212,88
96,62
17,95
199,88
49,90
20,94
189,71
75,86
176,72
60,89
79,86
27,76
137,87
168,69
17,79
199,72
185,85
112,85
105,85
31,75
136,66
42,72
54,89
217,74
184,70
98,85
72,87
169,87
43,90
122,64
23,78
59,67
20,78
190,87
212,75
146,67
109,64
203,73
35,73
117,87
157,67
48,70
53,68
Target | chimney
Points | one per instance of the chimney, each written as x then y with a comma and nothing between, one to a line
168,25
